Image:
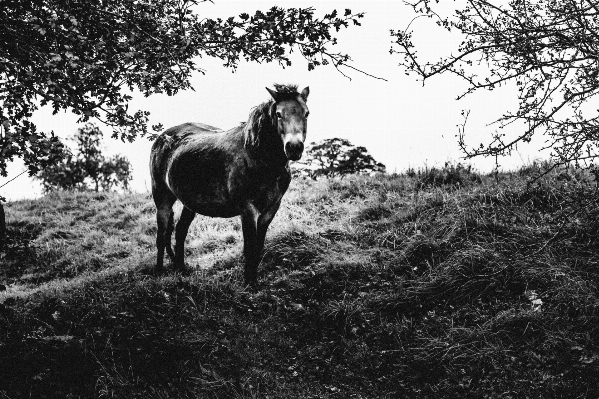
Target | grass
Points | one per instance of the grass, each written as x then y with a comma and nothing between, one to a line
370,287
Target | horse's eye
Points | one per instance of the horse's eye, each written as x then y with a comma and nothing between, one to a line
279,115
307,113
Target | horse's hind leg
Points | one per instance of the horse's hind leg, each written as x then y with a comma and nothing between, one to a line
169,233
164,207
183,224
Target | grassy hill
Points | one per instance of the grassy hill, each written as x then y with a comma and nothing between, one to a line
434,285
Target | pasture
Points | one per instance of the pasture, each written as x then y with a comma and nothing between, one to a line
443,284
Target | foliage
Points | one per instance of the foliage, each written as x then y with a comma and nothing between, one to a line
371,287
87,166
82,55
336,157
115,171
548,48
450,174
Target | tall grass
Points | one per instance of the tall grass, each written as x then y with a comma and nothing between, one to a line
370,287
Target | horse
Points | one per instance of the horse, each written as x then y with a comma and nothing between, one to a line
240,172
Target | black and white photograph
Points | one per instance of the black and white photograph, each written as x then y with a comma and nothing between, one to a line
246,199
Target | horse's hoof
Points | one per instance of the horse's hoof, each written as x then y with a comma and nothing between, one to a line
185,272
183,269
158,271
150,270
251,282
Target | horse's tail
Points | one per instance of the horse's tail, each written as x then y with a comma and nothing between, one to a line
158,155
162,142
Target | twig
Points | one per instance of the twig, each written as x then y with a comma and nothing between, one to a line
365,73
551,239
13,178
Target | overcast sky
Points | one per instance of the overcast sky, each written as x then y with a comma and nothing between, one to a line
401,122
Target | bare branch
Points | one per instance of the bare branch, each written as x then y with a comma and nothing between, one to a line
548,48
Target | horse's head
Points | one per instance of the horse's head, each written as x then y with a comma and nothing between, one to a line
290,116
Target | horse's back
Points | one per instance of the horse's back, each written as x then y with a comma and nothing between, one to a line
170,140
184,130
195,162
191,128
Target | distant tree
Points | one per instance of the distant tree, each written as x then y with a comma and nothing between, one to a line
88,168
62,171
115,172
336,157
548,48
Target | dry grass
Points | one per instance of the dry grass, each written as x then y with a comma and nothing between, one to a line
369,288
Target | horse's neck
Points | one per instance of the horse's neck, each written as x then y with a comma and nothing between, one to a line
271,161
269,151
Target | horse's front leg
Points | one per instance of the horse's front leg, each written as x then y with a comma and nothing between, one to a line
264,221
254,227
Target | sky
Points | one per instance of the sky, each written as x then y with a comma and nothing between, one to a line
401,122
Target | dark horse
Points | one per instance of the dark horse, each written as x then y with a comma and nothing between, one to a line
244,171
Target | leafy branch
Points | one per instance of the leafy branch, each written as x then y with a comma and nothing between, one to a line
80,55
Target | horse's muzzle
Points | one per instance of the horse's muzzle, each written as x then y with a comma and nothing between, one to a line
294,150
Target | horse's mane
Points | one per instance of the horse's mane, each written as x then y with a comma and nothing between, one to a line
286,92
262,120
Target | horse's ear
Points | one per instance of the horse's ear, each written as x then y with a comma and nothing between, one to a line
305,93
273,94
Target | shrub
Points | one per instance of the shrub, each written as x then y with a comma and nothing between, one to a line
450,175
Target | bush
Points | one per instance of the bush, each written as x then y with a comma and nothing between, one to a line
450,175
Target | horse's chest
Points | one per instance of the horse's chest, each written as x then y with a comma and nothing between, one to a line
266,188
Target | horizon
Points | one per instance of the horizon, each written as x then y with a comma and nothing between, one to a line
401,122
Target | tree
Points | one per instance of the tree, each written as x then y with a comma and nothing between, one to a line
116,171
88,168
62,171
548,48
80,54
336,157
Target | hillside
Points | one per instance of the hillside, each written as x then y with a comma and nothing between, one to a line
371,287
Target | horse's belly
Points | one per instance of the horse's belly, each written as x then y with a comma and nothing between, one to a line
228,207
210,184
211,203
225,211
200,181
